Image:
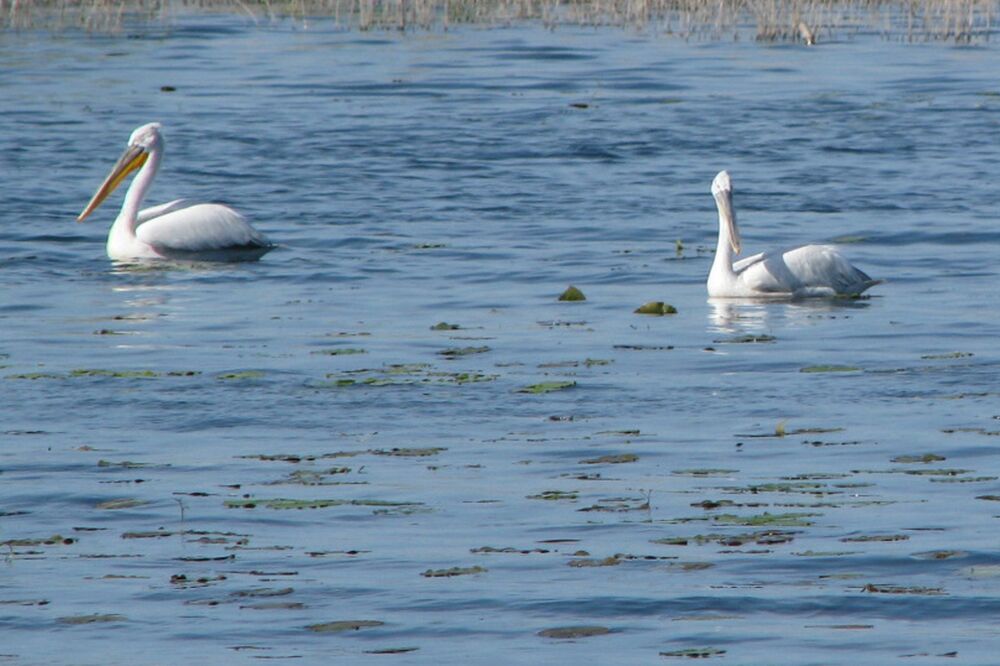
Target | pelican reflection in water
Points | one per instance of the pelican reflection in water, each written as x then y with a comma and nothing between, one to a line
810,270
180,229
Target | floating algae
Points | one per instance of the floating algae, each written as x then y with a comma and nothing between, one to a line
658,308
457,352
925,458
453,571
615,459
829,368
572,294
445,326
546,387
767,519
409,452
124,503
286,504
91,619
339,351
582,631
236,376
554,495
694,653
745,339
339,626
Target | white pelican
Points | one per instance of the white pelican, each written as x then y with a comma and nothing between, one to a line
810,270
179,229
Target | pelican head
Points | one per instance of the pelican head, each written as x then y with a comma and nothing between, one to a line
722,190
141,144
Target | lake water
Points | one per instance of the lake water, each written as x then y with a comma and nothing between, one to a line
283,460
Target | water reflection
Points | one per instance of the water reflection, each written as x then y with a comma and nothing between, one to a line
749,316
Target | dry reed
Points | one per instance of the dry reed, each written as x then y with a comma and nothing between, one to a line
808,21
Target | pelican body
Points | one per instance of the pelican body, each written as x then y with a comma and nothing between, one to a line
810,270
181,229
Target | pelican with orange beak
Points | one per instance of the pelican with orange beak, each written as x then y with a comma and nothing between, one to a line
180,229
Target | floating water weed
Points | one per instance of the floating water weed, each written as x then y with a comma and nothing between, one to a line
767,519
453,571
94,618
572,294
656,308
574,632
694,653
340,626
546,387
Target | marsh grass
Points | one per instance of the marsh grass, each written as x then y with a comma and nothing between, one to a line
806,21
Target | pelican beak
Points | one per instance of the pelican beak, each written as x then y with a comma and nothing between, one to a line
133,158
724,198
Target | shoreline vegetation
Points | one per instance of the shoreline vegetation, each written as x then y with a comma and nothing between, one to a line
803,21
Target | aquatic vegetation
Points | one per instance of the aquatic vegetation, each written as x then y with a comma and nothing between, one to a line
283,504
123,503
444,326
830,368
613,459
694,653
409,452
656,308
611,561
54,540
945,357
339,626
93,618
546,387
745,339
556,495
456,352
582,631
767,519
339,351
453,571
572,294
238,376
925,458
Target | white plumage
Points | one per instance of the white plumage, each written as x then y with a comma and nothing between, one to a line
810,270
179,229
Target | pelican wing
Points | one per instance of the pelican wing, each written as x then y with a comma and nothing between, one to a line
147,214
183,227
821,268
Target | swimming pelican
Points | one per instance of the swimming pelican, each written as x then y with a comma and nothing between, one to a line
810,270
179,229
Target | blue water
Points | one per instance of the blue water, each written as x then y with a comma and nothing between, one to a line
469,177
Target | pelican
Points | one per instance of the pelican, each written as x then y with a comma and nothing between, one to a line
179,229
810,270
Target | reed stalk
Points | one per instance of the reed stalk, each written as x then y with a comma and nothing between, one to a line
807,21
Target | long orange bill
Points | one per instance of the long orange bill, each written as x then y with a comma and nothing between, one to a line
133,158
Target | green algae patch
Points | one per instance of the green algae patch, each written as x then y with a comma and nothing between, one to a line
392,650
745,340
829,368
767,519
32,376
556,495
583,562
243,375
924,459
946,357
657,308
124,503
115,374
615,459
579,631
409,452
54,540
572,294
694,653
453,571
340,626
902,589
868,538
458,352
339,351
445,326
93,618
546,387
284,504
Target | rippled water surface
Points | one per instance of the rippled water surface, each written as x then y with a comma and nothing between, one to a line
212,464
